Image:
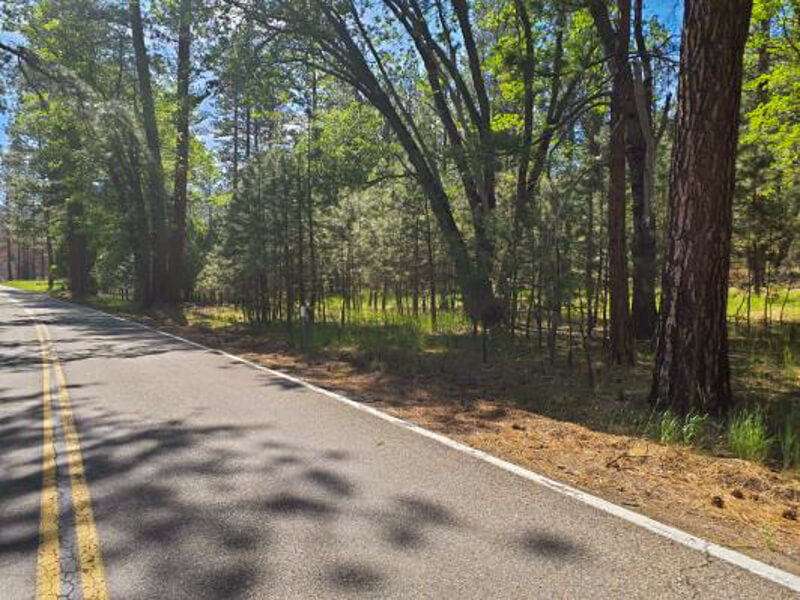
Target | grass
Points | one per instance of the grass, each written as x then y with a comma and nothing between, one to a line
764,361
747,435
694,428
34,285
110,303
213,317
546,416
737,305
670,428
789,440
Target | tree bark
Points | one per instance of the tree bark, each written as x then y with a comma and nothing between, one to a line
431,267
310,190
49,247
9,261
621,346
77,250
522,196
142,259
156,187
691,368
301,271
641,163
643,248
235,157
179,195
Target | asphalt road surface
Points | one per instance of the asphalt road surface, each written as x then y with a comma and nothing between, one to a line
135,466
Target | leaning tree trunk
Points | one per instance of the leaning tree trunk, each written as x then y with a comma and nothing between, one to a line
691,369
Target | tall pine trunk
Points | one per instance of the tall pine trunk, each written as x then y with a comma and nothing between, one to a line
179,194
642,145
156,188
620,320
643,241
77,250
639,153
691,369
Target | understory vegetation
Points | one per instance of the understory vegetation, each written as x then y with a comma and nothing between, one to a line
498,195
765,429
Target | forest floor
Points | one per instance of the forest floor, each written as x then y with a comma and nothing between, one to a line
548,418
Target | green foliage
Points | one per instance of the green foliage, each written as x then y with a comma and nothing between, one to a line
766,214
671,428
747,435
300,190
783,304
37,285
349,143
694,428
773,121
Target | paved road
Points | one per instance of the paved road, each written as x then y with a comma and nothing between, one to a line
211,479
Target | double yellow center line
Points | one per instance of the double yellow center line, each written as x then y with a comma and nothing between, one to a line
48,572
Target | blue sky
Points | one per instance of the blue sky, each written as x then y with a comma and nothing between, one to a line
669,12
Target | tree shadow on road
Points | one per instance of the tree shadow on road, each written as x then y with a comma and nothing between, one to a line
220,511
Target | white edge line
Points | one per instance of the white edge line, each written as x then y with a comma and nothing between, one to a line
738,559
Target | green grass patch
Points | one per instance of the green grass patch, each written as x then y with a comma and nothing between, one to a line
670,428
747,435
213,317
780,301
765,364
110,303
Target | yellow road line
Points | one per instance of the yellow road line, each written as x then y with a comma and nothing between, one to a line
92,571
48,566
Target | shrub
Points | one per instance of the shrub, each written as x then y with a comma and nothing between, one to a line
747,435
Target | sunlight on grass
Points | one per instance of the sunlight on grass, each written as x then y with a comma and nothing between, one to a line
213,317
765,361
33,285
782,301
747,435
